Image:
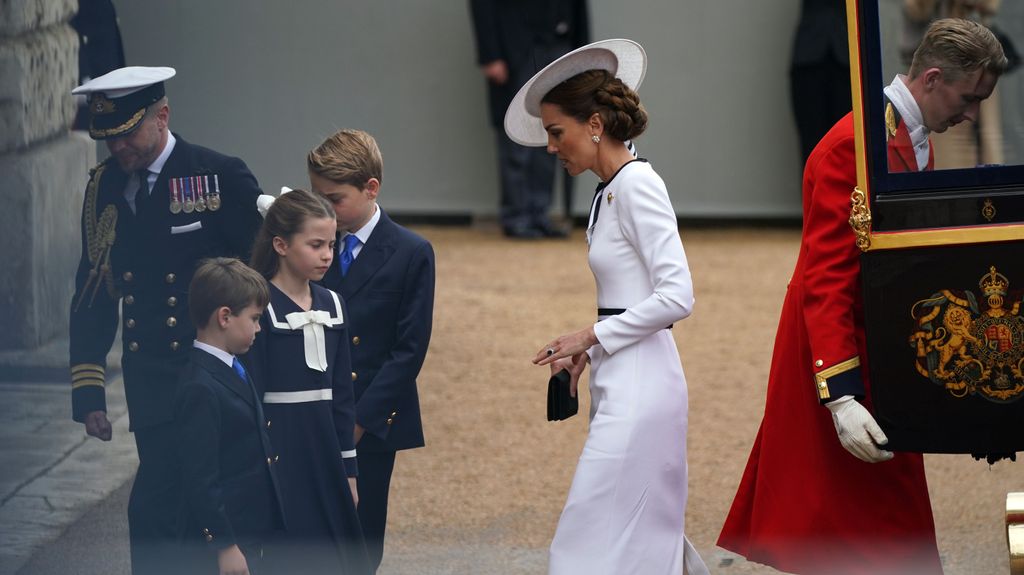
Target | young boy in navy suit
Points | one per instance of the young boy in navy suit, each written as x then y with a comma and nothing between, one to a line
386,275
231,502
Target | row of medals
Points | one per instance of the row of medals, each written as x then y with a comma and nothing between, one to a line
193,193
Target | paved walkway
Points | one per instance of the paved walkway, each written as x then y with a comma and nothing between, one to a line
51,472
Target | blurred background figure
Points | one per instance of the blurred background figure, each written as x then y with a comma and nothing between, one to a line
515,39
970,143
819,73
99,47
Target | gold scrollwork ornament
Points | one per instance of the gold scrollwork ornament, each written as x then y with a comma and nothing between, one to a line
860,218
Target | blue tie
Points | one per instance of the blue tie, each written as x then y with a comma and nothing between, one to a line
347,256
240,370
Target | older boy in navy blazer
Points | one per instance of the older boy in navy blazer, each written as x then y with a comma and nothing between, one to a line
231,502
386,275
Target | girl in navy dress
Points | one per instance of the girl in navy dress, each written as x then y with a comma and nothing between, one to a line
300,363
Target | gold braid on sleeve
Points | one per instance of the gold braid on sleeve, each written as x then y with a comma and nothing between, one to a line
99,237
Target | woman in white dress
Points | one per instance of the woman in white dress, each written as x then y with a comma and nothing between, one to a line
626,507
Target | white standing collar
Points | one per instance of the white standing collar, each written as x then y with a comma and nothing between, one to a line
158,164
910,112
362,233
217,352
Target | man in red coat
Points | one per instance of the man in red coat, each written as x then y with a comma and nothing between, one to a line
809,501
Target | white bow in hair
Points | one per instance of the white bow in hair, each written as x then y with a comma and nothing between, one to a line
264,201
312,323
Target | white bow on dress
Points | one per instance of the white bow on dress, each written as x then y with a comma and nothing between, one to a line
312,323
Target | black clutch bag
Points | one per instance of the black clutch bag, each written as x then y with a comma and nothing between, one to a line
561,405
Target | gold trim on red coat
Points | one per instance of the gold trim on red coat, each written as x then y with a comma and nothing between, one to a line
821,377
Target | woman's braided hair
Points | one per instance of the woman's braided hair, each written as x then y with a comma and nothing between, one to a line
600,92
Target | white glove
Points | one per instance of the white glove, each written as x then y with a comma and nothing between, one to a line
858,431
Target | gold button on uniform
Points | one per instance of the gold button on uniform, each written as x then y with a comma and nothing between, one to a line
355,340
172,301
276,457
389,421
129,299
268,424
170,278
175,345
822,385
130,323
819,363
133,346
354,376
269,461
127,276
172,321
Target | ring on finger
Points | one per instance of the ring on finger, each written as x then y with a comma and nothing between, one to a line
551,351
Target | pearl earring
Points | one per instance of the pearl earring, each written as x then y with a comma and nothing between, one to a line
596,139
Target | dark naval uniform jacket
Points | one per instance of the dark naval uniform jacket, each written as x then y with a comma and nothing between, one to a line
389,294
230,485
142,262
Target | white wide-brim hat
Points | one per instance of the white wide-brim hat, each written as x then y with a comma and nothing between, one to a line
624,58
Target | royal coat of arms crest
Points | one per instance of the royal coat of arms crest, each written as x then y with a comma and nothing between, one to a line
972,348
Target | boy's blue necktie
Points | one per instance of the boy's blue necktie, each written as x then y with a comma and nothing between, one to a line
240,370
347,256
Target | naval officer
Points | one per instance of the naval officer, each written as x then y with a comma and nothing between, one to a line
152,210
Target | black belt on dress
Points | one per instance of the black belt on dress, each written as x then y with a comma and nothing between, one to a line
616,311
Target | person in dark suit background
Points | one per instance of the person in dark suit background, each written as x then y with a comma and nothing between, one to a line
231,500
385,273
819,74
152,210
100,49
515,39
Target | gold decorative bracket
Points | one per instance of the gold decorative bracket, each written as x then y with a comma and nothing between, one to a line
860,218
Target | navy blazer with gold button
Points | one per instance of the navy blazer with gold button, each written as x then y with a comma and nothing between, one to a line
230,488
389,294
145,259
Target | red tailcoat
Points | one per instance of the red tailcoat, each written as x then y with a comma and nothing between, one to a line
804,504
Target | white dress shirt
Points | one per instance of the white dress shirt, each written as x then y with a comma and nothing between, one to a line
155,168
217,352
362,233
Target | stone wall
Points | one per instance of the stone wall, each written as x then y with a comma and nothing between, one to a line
43,170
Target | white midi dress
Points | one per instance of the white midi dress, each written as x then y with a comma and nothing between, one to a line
625,512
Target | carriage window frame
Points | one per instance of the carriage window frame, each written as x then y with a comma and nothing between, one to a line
965,182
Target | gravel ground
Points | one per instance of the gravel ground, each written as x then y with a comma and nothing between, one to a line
485,494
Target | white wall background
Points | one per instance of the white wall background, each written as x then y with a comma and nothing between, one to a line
267,80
